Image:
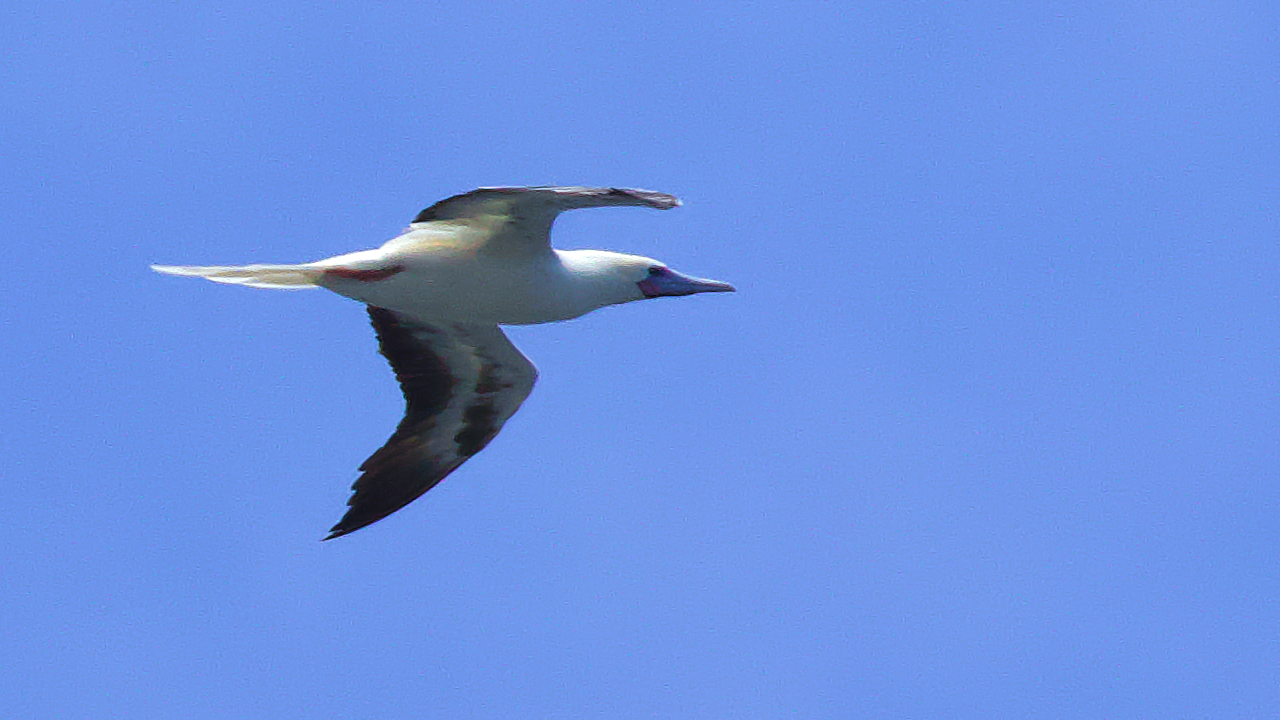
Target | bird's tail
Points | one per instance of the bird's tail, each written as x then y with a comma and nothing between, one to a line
280,277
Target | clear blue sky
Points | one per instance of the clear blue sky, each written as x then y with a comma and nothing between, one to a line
988,431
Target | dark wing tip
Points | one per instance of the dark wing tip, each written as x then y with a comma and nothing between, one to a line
378,494
617,196
364,511
358,517
651,198
339,530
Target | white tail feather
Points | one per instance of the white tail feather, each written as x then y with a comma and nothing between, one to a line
279,277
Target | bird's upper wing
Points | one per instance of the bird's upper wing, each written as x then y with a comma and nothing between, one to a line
521,217
460,383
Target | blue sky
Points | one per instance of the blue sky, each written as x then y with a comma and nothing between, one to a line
989,429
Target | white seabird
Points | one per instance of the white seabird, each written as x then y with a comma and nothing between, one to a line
437,294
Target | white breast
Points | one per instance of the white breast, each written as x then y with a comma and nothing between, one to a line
452,281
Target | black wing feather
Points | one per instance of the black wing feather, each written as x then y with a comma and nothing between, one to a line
461,384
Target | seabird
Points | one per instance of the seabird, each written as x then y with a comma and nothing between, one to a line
437,295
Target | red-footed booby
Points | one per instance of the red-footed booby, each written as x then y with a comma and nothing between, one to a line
437,295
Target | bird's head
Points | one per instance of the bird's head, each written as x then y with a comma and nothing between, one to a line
614,278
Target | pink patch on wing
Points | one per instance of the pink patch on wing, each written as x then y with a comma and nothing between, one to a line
364,275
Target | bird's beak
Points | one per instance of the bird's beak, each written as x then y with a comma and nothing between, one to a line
670,283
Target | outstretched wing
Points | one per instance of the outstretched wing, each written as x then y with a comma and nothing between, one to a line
460,383
524,215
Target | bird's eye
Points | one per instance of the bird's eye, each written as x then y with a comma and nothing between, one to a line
656,270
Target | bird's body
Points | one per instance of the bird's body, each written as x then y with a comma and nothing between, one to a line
451,283
436,296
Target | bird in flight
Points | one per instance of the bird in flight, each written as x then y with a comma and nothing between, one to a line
437,295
